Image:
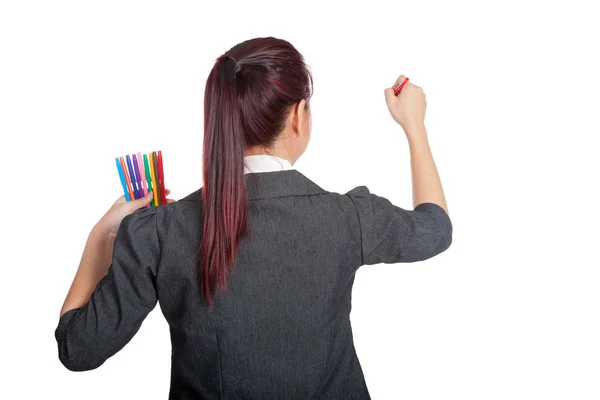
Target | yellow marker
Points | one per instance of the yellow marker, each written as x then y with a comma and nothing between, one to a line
152,175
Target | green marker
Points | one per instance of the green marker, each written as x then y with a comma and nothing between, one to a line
148,177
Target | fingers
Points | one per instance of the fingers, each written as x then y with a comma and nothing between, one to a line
390,97
169,201
139,203
389,92
399,80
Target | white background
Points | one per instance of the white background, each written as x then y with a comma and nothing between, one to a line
510,311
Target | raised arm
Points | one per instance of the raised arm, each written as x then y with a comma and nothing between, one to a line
391,234
408,109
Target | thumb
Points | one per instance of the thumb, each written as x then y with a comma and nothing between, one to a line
139,203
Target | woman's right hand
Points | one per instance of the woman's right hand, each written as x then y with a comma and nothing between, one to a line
408,108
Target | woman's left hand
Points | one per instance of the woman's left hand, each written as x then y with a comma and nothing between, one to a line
110,222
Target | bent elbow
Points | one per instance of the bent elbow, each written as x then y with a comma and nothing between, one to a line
76,360
443,231
436,243
445,240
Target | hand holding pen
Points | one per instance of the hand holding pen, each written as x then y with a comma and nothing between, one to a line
109,223
407,104
143,181
145,174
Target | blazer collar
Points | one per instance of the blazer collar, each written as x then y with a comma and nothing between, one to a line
266,185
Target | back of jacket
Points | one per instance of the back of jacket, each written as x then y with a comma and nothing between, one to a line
281,329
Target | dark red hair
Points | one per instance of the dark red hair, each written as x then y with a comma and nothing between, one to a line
248,95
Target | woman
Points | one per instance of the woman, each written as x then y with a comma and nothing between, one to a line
254,271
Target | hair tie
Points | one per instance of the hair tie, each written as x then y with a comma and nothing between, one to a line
234,60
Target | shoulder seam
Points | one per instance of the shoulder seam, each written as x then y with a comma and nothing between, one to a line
362,257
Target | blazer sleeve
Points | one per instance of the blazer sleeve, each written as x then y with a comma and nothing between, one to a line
87,336
390,234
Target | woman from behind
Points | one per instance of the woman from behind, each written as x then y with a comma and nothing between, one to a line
254,271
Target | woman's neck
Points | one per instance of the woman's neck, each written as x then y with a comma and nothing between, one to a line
258,150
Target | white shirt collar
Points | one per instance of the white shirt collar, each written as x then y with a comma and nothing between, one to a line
265,163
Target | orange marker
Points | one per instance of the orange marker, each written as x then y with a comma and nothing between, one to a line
127,178
154,187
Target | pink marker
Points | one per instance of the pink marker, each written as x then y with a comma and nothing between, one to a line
142,173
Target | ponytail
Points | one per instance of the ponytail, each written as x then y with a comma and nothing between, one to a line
225,199
246,105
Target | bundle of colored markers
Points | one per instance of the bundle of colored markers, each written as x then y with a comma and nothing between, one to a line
142,174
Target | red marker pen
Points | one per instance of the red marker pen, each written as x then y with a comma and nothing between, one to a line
398,88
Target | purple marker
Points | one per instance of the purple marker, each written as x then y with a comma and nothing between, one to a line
137,176
134,179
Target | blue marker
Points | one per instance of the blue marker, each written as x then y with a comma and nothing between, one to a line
123,181
132,177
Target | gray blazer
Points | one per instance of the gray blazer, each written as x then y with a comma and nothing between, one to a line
281,330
